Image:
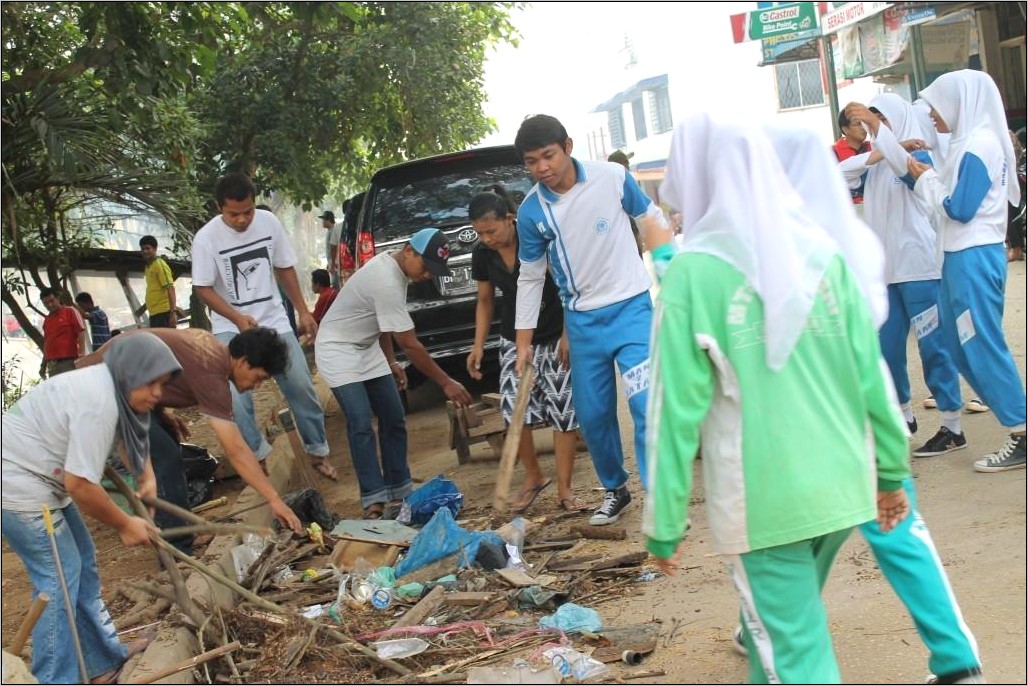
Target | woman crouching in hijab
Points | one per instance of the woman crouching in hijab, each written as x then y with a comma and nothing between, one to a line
54,445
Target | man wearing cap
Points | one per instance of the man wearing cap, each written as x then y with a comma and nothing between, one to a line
335,232
354,354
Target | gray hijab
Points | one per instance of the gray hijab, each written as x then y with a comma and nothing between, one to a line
135,361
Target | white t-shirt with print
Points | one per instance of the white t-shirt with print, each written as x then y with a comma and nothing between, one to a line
372,302
65,424
240,266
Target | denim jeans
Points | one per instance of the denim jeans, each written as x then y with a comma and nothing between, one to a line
298,388
390,480
53,654
170,474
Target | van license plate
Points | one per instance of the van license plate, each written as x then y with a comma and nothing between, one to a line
458,282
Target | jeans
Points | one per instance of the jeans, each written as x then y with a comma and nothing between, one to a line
170,474
390,480
298,388
53,653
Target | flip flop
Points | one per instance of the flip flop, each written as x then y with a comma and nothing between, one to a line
133,648
373,511
325,468
574,504
532,492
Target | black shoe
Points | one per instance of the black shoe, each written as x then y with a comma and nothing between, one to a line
941,443
614,501
912,426
1010,456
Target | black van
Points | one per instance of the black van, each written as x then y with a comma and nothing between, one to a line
435,191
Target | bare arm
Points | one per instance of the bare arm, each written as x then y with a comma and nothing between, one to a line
246,465
483,319
291,285
385,341
93,500
172,316
219,305
424,363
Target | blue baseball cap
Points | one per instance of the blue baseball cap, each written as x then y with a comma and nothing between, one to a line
434,249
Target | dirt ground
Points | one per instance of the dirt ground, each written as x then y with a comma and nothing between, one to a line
977,521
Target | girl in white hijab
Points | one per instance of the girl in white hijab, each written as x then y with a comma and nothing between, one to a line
912,260
54,445
968,197
906,555
763,341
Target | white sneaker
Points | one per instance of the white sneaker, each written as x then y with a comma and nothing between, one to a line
975,405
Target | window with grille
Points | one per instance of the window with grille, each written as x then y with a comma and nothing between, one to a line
639,119
616,122
660,110
799,84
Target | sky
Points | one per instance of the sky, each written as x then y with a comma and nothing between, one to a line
571,58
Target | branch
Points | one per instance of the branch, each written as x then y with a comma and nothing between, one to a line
23,320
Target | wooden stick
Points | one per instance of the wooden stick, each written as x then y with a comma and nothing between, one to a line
177,531
272,607
210,504
35,609
513,439
180,512
182,597
188,664
426,606
605,533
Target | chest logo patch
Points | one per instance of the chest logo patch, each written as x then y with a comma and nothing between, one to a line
602,226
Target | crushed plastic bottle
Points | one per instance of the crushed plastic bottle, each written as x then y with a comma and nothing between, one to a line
399,648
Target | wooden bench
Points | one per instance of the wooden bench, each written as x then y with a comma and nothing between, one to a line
481,422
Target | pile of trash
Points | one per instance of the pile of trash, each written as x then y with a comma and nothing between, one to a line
436,596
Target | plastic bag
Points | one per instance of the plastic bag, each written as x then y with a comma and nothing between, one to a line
570,617
419,507
440,538
309,506
199,466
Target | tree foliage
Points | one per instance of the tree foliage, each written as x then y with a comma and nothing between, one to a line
144,104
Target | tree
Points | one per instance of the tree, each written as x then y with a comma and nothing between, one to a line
323,94
144,104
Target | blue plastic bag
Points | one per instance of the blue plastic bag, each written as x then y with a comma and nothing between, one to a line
419,506
570,618
440,538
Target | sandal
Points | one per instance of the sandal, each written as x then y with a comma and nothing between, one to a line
392,509
373,511
574,504
132,649
531,494
325,468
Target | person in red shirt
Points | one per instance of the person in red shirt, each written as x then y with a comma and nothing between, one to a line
853,142
64,335
321,284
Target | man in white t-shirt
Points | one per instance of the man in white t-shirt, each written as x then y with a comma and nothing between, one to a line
354,352
237,258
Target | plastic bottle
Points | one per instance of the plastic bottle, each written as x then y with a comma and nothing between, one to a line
399,648
382,598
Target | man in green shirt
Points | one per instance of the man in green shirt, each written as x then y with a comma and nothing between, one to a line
160,287
764,343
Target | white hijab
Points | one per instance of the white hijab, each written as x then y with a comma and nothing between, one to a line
814,173
737,205
968,101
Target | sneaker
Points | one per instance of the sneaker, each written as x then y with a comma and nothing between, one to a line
941,443
1010,456
929,403
614,501
967,676
912,426
975,405
738,645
